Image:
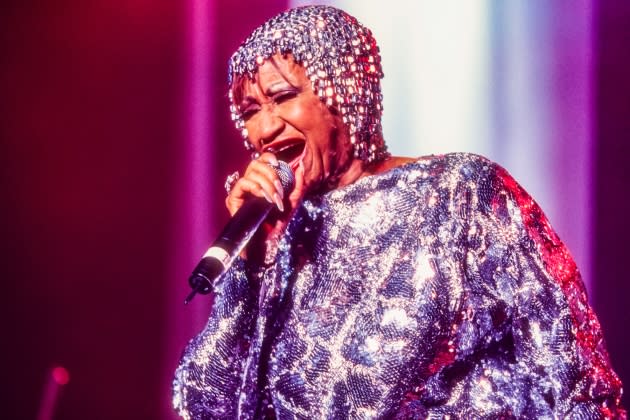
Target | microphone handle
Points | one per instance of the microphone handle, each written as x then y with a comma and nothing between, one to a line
234,237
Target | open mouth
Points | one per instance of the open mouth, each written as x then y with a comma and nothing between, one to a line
290,153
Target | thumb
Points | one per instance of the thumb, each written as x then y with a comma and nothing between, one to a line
299,188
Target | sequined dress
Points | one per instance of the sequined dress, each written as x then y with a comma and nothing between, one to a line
436,289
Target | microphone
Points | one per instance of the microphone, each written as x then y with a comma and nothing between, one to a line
235,236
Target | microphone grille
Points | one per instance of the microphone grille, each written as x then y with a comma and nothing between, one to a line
287,179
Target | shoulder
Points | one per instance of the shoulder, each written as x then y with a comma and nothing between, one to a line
453,167
468,181
453,176
447,162
468,164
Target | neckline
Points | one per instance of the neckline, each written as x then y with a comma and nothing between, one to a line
341,191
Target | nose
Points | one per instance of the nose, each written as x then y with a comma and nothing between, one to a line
269,125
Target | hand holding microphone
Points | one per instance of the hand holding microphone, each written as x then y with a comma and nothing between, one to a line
253,197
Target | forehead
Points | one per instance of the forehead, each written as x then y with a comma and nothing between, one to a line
277,70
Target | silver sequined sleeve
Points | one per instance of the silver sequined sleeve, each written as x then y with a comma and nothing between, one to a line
435,290
208,379
526,342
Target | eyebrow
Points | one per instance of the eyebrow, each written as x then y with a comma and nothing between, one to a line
282,83
272,89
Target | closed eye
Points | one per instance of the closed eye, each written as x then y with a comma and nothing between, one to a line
250,107
284,96
249,111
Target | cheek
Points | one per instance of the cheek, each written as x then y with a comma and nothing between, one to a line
301,118
320,128
309,114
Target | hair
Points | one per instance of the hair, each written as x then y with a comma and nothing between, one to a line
341,58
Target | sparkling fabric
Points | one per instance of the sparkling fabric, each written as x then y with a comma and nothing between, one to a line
435,290
342,60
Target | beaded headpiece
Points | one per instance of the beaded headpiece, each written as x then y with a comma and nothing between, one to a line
341,59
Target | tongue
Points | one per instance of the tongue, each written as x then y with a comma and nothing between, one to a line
295,162
292,153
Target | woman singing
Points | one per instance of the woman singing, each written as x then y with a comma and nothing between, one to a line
382,286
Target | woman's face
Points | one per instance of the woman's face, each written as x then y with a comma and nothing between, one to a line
283,116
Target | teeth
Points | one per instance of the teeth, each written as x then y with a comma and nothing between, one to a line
288,152
286,147
283,148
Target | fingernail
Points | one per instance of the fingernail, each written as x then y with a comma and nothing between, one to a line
267,196
278,202
278,185
272,161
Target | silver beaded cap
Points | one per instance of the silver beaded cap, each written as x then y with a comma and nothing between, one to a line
341,59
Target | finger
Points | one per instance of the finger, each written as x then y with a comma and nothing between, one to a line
269,158
232,205
272,160
263,168
254,185
267,187
260,169
247,188
258,184
260,180
298,189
